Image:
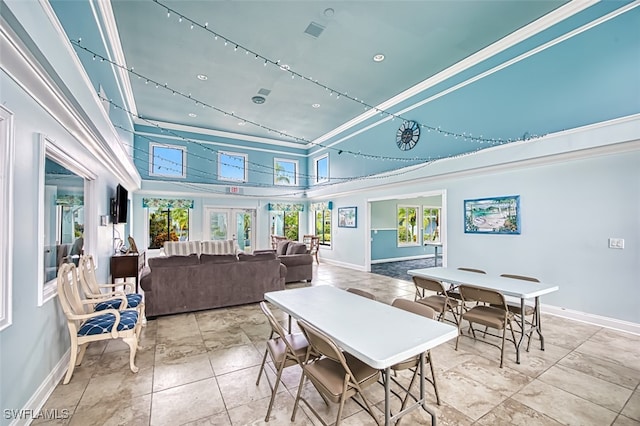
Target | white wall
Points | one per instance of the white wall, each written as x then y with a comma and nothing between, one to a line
32,78
38,338
571,203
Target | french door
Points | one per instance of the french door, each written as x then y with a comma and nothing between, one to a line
231,224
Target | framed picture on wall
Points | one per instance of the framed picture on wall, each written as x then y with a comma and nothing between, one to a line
495,215
347,217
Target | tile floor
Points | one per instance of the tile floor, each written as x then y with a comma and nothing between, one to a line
201,369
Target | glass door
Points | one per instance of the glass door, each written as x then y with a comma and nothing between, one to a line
231,224
244,229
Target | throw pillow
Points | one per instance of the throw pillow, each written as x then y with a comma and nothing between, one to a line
257,257
282,247
296,248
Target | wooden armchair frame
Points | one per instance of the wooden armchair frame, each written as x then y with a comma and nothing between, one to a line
313,245
86,325
111,298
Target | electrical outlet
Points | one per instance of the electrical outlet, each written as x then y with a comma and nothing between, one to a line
616,243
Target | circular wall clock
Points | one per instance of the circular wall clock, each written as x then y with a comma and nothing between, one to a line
407,135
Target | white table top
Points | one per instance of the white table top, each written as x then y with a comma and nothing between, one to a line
376,333
508,286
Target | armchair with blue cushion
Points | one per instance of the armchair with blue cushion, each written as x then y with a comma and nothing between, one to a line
105,296
87,325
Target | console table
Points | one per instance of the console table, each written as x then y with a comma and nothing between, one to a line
127,265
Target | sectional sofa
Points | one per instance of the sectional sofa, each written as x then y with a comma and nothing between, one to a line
185,283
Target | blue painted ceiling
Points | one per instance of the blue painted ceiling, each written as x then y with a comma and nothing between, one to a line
584,68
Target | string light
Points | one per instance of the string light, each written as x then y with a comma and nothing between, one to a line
288,136
259,169
367,107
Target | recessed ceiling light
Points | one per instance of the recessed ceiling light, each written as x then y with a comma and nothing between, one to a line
258,100
202,77
192,115
378,57
316,105
328,12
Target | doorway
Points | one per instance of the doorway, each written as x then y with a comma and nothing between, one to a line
407,228
231,224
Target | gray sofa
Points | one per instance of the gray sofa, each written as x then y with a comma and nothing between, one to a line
175,284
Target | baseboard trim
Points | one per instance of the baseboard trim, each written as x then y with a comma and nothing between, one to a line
615,324
32,409
400,259
344,265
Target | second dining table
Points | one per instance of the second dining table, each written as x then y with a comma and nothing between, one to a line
520,289
376,333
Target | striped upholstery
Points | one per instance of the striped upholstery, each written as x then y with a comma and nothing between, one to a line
181,248
220,247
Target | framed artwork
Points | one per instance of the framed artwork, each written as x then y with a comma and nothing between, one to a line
495,215
347,217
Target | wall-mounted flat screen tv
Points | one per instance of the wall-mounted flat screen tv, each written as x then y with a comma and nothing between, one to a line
119,205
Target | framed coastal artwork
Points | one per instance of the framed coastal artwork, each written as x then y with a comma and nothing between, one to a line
347,217
495,215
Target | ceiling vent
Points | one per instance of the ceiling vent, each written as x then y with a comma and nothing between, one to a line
264,92
314,29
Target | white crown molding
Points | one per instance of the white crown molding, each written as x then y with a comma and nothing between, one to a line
216,133
22,66
113,47
215,143
606,143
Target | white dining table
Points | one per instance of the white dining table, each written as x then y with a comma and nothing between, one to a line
520,289
376,333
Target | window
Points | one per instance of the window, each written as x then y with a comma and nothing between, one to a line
286,224
322,169
167,161
323,226
232,166
430,224
408,225
285,172
168,220
7,144
65,185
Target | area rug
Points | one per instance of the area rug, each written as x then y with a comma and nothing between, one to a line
399,269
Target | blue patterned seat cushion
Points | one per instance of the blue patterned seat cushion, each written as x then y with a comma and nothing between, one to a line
104,323
133,300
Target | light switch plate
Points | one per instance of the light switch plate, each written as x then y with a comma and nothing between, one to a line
616,243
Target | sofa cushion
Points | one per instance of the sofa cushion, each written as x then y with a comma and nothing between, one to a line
296,259
296,248
181,248
218,258
281,248
256,257
172,261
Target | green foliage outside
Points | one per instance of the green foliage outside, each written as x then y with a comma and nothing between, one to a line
323,226
291,225
407,219
177,220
